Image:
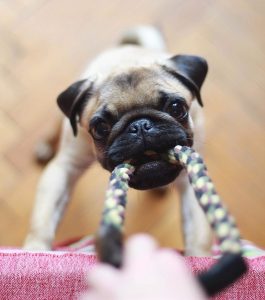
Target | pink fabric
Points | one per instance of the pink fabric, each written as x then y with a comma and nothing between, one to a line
61,275
50,276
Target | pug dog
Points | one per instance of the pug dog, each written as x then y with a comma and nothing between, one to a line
133,103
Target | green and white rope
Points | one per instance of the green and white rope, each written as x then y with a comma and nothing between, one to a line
220,220
116,196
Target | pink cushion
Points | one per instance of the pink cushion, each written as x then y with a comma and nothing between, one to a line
32,276
61,275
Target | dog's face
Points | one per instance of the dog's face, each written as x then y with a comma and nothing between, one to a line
138,115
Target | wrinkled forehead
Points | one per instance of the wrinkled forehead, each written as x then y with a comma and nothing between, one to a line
138,88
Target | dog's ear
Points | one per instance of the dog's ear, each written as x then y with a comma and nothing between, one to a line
191,71
72,100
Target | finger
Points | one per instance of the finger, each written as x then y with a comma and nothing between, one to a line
91,295
139,250
103,276
171,263
176,276
170,256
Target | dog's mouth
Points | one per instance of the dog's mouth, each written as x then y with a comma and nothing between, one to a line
145,158
152,170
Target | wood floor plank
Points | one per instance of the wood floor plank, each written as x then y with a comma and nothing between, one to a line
44,47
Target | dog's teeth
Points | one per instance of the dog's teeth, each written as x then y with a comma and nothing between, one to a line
150,153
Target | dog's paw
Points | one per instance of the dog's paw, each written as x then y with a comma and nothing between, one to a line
33,244
109,245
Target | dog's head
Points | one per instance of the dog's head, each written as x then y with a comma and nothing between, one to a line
139,114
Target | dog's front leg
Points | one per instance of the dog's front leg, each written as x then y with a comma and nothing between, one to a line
196,230
55,188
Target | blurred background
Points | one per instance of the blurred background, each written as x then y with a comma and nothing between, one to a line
45,45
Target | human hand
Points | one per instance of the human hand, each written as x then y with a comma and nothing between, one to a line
147,273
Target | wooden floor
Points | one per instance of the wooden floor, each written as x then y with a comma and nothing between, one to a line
45,44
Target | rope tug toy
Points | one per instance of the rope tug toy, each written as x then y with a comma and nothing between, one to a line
110,235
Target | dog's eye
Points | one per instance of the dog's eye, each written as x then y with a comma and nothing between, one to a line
177,110
100,130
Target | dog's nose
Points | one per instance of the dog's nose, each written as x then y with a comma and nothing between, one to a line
140,125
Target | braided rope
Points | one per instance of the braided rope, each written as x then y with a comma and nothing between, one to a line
222,223
220,220
109,239
116,197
